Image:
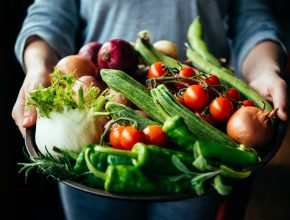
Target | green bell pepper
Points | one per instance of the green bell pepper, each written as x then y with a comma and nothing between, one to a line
150,158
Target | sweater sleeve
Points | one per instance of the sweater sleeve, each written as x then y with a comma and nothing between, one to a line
55,21
251,22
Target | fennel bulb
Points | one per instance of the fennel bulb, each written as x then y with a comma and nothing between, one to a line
67,119
69,130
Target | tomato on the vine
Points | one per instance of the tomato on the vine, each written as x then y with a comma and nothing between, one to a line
196,97
221,108
130,136
207,117
179,99
155,70
155,135
115,137
185,72
212,80
248,102
233,94
213,83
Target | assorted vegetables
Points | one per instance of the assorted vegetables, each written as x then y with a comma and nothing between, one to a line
200,127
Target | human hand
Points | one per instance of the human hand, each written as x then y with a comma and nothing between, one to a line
262,69
22,116
273,88
39,60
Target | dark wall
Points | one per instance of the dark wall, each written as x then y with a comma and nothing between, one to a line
38,198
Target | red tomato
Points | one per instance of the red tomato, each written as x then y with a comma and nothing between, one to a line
185,72
131,136
115,137
156,70
214,83
207,117
233,94
212,80
180,100
221,108
196,97
248,102
155,135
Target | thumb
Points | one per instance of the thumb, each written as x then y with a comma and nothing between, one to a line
29,118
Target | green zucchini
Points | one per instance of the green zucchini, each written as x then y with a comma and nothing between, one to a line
197,126
118,111
151,55
132,90
146,54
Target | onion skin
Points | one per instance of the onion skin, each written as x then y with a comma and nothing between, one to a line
90,50
85,82
118,54
251,126
78,64
167,47
119,98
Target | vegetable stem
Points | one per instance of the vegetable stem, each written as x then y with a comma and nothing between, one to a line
81,100
91,167
117,152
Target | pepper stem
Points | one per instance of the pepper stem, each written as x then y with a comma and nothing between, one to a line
91,167
117,152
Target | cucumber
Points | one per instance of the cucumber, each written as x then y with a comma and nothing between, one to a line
132,90
118,111
197,126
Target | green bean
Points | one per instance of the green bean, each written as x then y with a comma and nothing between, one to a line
194,35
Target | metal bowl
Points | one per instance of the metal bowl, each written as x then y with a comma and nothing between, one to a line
280,130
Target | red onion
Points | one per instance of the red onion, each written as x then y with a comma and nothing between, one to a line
118,54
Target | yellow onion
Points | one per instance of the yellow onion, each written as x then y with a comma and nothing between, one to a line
78,64
251,126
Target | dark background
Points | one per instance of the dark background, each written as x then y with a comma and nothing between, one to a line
38,198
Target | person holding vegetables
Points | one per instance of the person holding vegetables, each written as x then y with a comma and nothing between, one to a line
251,40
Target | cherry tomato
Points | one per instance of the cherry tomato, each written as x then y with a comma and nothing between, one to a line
248,102
131,136
155,135
196,97
233,94
214,84
212,80
156,70
221,108
115,137
185,72
179,99
207,117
